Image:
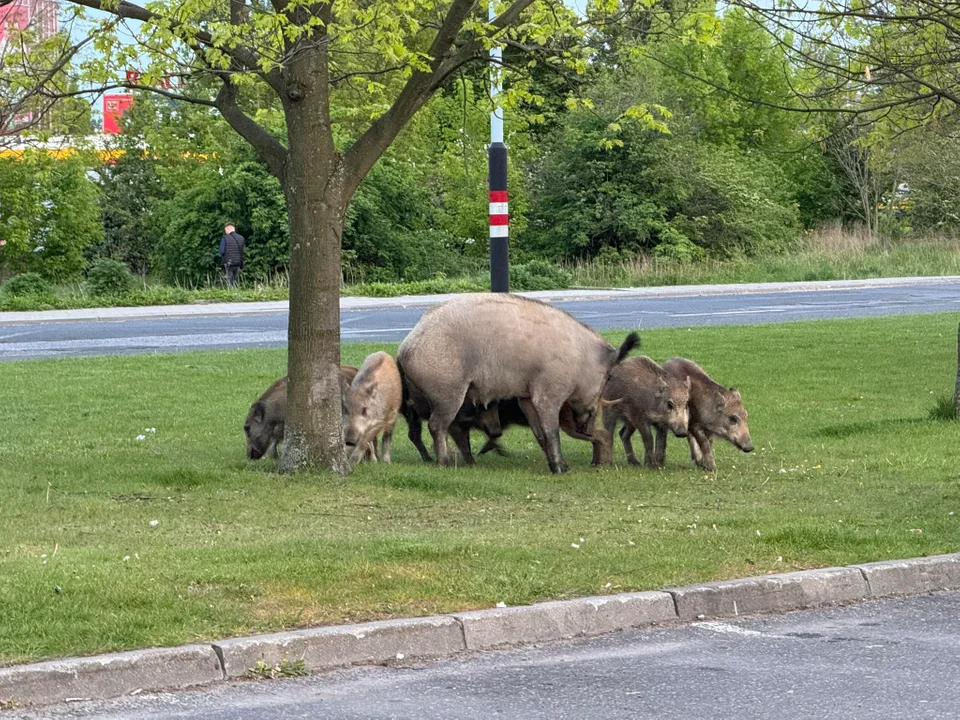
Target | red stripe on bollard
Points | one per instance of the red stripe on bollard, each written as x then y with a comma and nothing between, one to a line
498,196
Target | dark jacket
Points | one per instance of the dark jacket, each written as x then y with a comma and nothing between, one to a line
231,249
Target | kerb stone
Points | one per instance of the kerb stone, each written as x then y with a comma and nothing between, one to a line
338,646
917,575
107,676
770,593
544,622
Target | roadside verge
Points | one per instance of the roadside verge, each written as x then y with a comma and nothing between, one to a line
443,636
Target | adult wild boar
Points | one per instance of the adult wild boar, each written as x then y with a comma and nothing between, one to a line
491,347
373,402
265,421
649,396
714,411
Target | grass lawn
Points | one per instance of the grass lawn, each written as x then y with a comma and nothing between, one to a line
108,542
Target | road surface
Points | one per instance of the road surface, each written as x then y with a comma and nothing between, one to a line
60,339
891,659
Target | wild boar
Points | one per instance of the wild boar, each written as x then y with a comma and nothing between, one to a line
648,397
714,411
373,403
510,413
492,421
265,422
489,347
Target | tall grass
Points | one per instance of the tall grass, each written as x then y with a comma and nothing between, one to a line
829,253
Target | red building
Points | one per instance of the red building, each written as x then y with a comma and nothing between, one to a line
40,16
114,106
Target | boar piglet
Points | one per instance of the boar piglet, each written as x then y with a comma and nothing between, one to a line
373,403
714,411
267,417
648,396
509,412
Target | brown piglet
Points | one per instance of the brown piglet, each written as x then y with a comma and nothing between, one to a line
715,411
373,403
266,420
647,396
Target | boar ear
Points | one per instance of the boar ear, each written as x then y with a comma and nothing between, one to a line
371,388
257,412
661,382
735,393
720,400
687,381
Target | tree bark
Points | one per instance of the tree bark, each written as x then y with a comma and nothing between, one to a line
956,392
314,188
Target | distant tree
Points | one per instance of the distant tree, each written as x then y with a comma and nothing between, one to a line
48,215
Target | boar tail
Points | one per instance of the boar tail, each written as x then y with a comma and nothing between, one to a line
629,345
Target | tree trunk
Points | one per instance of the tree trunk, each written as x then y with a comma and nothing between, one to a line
956,392
313,184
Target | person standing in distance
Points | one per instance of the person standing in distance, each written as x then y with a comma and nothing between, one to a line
231,253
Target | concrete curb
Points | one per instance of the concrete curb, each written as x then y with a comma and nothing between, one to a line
348,304
106,676
771,593
328,647
562,619
441,636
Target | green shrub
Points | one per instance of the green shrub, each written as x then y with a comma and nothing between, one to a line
28,284
109,277
538,275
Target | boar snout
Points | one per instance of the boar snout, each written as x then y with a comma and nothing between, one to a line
747,446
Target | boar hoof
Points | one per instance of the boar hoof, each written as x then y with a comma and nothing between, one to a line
653,465
707,466
633,461
559,468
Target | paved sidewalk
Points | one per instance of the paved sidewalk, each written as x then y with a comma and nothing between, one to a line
407,301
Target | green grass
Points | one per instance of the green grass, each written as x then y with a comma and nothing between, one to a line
848,468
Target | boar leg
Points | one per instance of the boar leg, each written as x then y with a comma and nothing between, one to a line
461,436
533,421
706,462
493,444
661,446
415,433
385,445
626,432
364,450
547,415
649,453
596,437
611,416
440,421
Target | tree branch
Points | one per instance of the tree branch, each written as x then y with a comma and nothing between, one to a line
244,56
271,150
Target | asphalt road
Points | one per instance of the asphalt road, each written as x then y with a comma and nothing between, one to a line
892,659
60,339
